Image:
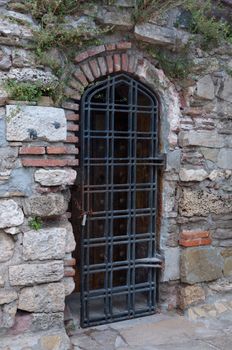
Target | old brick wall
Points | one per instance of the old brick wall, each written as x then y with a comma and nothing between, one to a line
40,157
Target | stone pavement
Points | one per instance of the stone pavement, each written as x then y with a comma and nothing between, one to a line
158,332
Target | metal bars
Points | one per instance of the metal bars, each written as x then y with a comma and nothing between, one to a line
120,160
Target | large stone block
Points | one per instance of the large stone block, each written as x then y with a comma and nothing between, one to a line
200,264
227,257
44,244
205,88
193,174
44,298
10,214
43,321
201,138
190,295
6,247
202,203
172,262
8,315
55,177
152,33
225,158
53,204
28,123
28,274
7,296
225,93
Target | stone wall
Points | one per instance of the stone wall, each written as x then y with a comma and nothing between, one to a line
39,152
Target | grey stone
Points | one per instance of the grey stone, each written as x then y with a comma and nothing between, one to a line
69,285
114,16
190,295
225,92
27,123
155,34
44,321
45,244
28,274
3,96
220,233
53,204
9,312
225,159
193,174
32,75
8,158
20,182
5,60
10,214
6,247
201,138
205,88
22,58
1,281
43,298
210,154
173,160
12,230
8,28
172,262
200,264
55,177
7,296
70,239
202,203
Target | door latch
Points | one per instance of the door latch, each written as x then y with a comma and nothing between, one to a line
84,218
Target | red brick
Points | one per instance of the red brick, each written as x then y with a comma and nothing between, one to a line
132,63
71,106
45,162
110,47
102,65
72,116
87,72
195,242
79,75
70,262
73,127
117,63
81,56
72,139
189,235
96,50
124,45
69,273
32,150
76,85
110,64
124,62
72,93
56,150
95,69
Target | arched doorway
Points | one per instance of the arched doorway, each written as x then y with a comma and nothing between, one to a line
117,201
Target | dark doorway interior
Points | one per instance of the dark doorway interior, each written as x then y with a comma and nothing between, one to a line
114,203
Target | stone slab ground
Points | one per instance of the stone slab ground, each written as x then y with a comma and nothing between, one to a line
158,332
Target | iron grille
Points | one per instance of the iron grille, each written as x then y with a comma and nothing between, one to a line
120,161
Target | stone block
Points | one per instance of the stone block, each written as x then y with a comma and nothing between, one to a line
7,296
70,239
201,138
32,75
53,204
173,160
45,244
202,203
8,315
28,274
154,34
200,264
205,88
210,153
172,262
114,16
2,282
190,295
55,177
193,174
224,160
227,257
225,92
10,214
43,298
45,320
33,123
6,247
223,233
69,285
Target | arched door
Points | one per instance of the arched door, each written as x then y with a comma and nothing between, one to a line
120,160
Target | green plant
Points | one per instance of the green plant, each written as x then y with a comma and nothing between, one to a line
175,66
26,91
60,8
35,223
